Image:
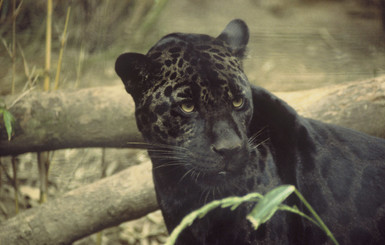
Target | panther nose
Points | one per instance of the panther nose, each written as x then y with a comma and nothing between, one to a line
230,150
226,142
226,147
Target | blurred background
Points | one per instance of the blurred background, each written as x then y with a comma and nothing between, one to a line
294,45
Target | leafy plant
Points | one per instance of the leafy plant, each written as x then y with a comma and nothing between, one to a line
9,120
261,213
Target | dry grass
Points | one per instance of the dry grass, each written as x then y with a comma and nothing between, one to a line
93,30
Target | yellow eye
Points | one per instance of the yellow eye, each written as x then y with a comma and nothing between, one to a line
187,107
237,103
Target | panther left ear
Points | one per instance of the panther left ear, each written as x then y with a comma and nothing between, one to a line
134,69
236,35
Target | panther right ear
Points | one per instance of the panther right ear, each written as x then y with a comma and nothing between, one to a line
134,70
236,35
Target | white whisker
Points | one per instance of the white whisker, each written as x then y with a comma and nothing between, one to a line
184,175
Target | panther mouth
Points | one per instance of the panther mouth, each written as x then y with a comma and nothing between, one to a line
214,177
220,172
201,168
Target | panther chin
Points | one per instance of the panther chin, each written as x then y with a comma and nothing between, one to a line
223,176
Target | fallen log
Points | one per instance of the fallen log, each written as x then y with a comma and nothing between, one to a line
356,105
108,202
92,117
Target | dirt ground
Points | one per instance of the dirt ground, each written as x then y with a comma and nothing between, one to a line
294,45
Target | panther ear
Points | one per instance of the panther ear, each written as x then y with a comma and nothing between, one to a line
134,70
236,35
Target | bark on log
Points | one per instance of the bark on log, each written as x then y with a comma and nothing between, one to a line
125,196
104,117
93,117
356,105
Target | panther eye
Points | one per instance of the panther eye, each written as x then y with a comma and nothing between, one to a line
187,107
238,102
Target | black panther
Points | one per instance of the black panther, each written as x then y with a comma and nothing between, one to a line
211,134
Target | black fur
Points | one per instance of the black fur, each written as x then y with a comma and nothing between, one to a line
223,147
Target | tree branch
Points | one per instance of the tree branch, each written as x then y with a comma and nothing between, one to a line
93,117
125,196
356,105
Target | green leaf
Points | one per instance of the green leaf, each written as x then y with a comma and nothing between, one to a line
268,205
231,202
317,218
8,122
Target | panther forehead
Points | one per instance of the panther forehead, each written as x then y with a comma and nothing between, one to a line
196,67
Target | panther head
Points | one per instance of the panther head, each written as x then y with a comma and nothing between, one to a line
191,93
